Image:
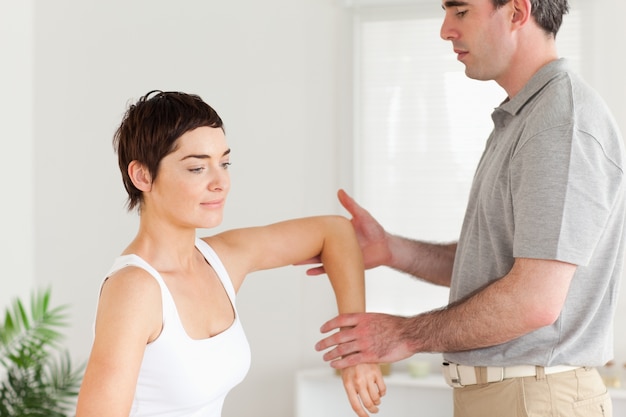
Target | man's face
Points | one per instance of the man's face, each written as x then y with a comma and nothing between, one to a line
481,36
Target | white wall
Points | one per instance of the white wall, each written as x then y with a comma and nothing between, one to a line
606,73
269,68
17,247
277,71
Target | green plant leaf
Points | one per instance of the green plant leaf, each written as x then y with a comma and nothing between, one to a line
40,378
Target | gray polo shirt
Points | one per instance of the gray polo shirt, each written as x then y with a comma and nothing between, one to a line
550,185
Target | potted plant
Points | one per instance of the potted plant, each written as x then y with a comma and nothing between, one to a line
37,377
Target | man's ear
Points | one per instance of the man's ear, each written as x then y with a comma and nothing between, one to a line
522,11
140,176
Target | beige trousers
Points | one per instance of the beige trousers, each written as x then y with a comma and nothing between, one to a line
577,393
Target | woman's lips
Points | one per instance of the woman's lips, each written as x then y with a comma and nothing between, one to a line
213,204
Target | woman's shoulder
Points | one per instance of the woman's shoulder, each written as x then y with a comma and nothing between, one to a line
131,281
132,273
132,294
218,245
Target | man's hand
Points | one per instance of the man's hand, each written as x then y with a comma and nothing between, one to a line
365,386
366,338
372,237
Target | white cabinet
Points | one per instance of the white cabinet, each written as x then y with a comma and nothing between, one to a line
619,401
320,393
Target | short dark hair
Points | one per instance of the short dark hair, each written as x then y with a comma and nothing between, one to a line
547,13
150,129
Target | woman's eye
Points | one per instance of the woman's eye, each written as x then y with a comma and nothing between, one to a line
225,165
196,170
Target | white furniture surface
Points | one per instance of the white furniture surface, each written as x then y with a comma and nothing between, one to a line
320,393
619,401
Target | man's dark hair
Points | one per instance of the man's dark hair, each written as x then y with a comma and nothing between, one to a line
547,13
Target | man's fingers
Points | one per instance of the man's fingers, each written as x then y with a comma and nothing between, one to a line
339,339
348,202
347,361
343,320
316,271
344,199
342,351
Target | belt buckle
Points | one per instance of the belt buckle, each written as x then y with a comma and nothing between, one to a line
451,374
499,374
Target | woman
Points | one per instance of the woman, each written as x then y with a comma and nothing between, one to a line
168,340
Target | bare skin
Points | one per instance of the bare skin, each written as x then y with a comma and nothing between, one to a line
523,299
189,193
505,45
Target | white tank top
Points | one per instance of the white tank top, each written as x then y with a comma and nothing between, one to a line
180,376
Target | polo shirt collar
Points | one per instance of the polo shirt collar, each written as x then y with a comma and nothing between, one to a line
534,85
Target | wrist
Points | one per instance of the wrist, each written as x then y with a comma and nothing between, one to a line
401,253
412,335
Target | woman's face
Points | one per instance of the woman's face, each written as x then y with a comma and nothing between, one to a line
193,181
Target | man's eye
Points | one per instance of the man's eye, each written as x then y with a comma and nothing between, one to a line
225,165
461,13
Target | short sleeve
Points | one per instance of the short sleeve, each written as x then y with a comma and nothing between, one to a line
563,188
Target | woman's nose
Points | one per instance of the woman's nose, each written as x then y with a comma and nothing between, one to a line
220,180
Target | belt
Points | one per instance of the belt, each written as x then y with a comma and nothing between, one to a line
458,376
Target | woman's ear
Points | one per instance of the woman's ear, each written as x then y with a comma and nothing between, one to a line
140,176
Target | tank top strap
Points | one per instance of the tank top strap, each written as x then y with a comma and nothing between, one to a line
213,259
135,260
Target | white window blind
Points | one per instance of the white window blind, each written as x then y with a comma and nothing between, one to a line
420,128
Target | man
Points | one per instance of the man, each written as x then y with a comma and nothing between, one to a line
534,276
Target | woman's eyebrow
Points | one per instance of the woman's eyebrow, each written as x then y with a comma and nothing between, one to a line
203,156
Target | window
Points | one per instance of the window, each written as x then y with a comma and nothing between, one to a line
420,127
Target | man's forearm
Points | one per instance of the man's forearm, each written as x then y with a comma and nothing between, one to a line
431,262
531,296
